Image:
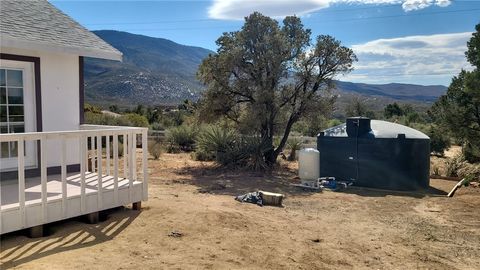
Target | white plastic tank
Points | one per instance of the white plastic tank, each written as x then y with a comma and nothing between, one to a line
309,164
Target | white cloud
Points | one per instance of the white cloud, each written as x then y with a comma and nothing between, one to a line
432,59
410,5
238,9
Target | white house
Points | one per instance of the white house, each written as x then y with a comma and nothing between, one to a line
52,166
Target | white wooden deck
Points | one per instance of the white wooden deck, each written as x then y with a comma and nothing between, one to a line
28,202
10,207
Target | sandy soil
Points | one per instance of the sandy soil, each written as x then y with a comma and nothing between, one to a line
356,229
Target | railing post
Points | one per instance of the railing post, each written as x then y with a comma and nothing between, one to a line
107,141
90,153
84,146
115,168
125,155
43,176
83,168
99,171
134,156
145,164
130,166
21,181
64,176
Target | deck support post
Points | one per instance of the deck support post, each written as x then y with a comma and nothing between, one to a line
93,218
35,232
137,205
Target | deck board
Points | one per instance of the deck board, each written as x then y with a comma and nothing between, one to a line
33,191
11,214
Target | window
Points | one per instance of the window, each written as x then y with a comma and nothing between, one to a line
12,117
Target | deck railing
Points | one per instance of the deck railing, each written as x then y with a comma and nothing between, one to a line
90,140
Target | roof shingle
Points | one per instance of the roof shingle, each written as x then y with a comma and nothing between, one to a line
40,25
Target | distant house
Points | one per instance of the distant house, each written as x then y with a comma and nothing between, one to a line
52,166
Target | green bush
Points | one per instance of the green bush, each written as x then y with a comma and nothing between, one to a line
155,149
231,149
181,138
439,141
135,120
157,126
334,122
130,119
471,152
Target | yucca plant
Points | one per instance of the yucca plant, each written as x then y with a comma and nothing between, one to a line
294,144
215,139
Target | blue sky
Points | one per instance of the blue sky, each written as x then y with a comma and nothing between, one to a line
407,41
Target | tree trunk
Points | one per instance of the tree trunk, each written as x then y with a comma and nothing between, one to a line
272,159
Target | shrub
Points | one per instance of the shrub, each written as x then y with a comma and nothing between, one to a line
254,149
333,122
231,149
471,152
155,149
181,138
435,170
120,149
453,165
439,142
92,108
157,126
136,120
294,144
471,171
215,139
201,155
130,119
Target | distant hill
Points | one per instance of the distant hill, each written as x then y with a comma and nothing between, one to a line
397,91
159,71
153,71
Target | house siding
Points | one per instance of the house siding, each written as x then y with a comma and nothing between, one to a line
60,98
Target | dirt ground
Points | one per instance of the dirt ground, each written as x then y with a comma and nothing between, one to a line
192,222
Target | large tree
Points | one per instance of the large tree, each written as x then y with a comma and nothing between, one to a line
266,76
459,109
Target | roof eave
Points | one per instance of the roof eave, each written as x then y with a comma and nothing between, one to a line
6,41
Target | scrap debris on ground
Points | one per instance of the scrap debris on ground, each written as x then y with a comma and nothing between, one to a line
261,198
251,197
175,234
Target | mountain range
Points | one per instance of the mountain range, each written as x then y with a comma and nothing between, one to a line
158,71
